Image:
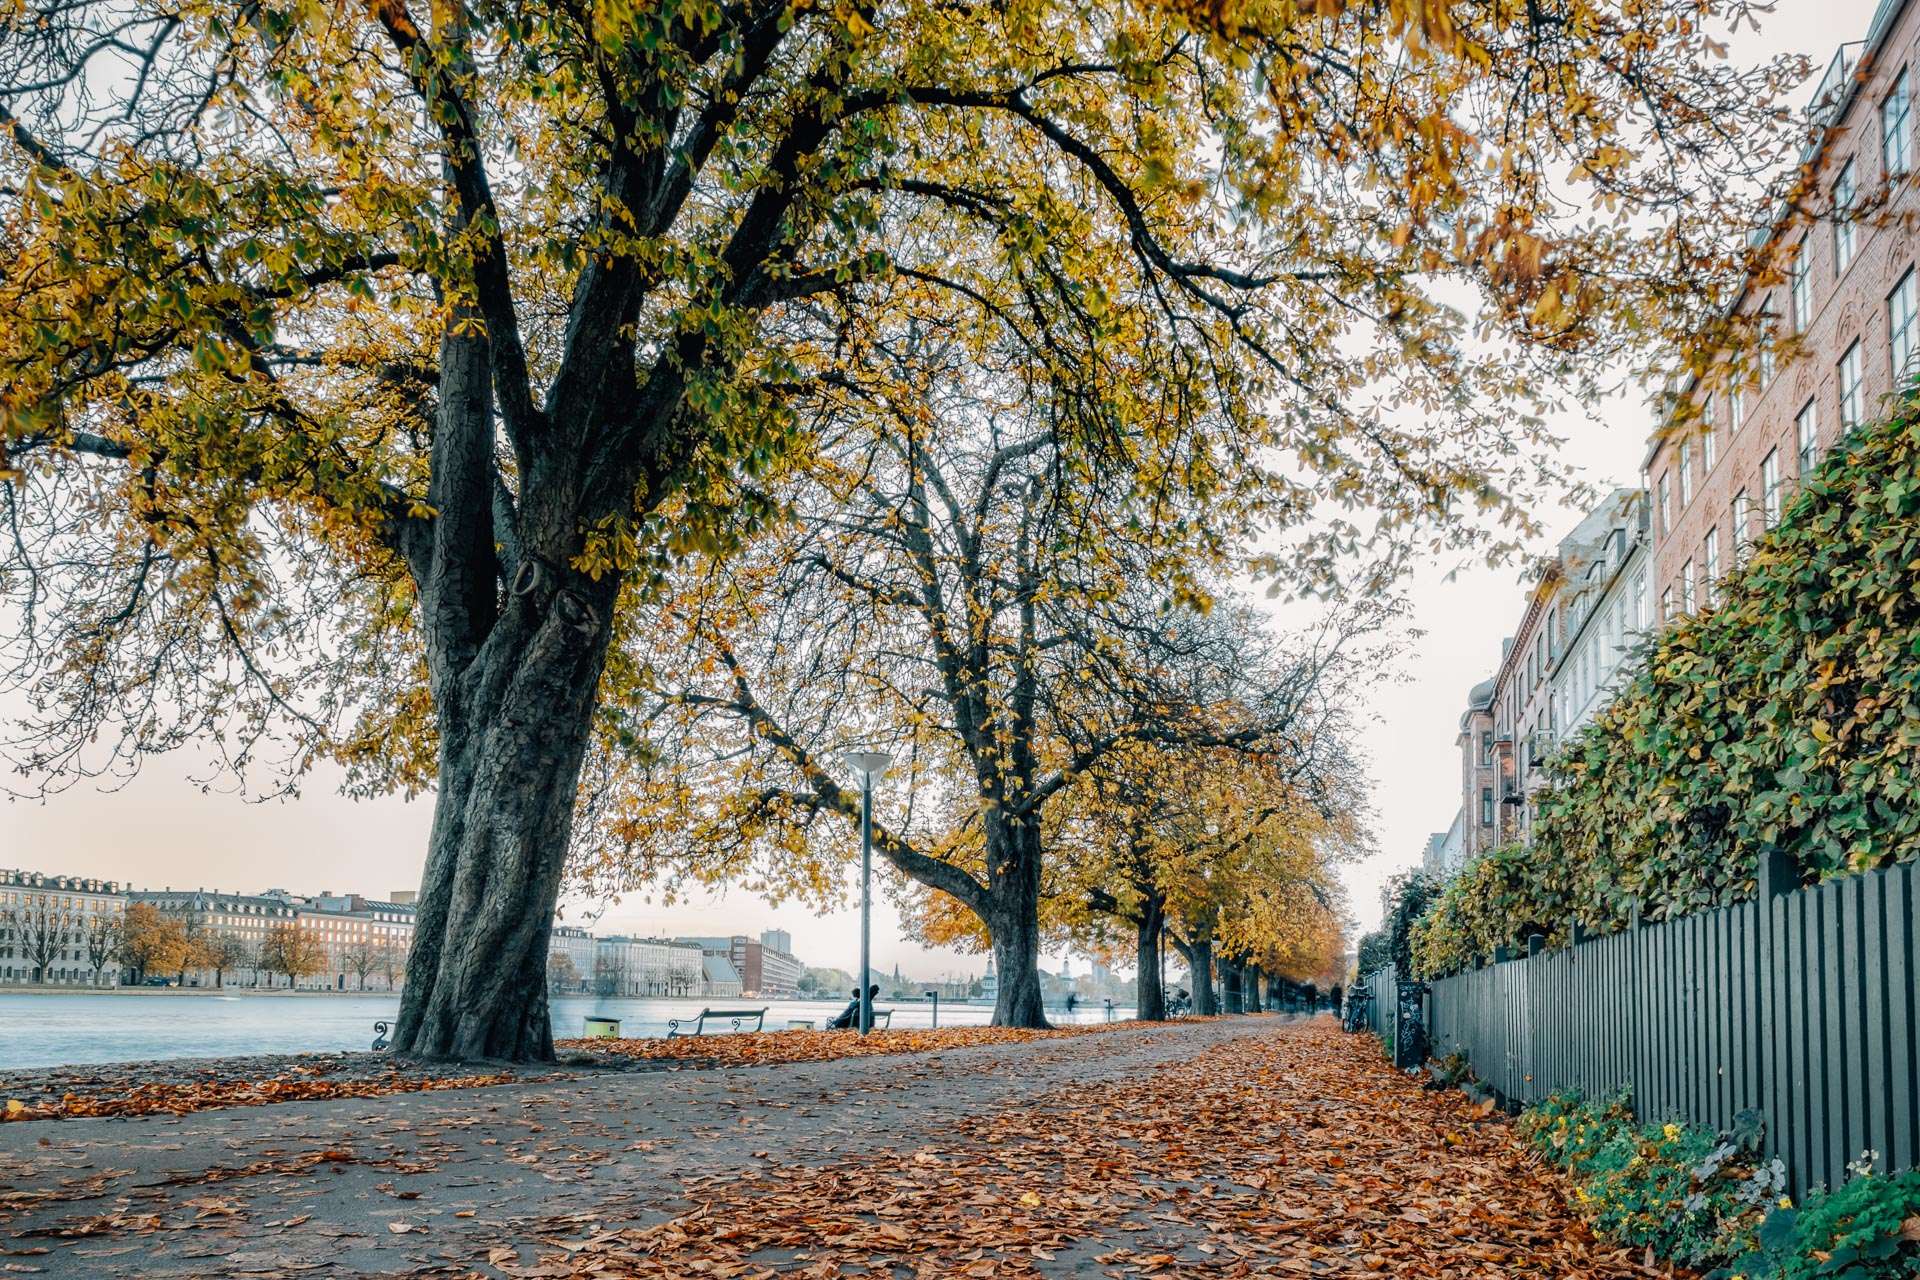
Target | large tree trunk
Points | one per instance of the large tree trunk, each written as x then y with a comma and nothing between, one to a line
1230,980
514,730
1200,960
1016,955
1013,855
1150,1001
1251,990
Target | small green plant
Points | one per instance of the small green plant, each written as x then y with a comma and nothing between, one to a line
1869,1229
1693,1196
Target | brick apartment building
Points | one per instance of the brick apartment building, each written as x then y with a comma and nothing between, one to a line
1585,612
1845,312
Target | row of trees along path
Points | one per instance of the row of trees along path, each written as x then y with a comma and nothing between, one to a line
604,416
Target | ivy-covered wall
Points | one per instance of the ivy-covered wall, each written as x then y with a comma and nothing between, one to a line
1788,714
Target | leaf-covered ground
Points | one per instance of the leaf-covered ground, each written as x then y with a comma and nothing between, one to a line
1224,1148
185,1086
775,1048
1299,1153
182,1086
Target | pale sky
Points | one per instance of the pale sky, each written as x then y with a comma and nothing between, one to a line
163,829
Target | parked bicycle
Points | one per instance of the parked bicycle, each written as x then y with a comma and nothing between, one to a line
1359,1005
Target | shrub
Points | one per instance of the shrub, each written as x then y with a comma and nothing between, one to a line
1867,1230
1787,715
1374,954
1692,1196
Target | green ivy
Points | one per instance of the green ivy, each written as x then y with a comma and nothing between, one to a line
1787,715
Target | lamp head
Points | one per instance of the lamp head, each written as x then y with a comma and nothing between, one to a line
869,764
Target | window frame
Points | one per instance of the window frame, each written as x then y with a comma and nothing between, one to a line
1800,288
1849,381
1770,488
1846,243
1896,128
1900,326
1710,564
1806,435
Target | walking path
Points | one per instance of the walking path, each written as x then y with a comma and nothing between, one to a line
1235,1147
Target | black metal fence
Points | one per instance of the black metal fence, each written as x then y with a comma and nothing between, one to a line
1801,1005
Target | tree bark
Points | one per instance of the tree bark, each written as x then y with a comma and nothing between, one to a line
1251,990
1150,1000
1200,960
1016,955
1013,890
515,726
1230,973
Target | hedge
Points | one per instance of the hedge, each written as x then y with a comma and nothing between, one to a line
1786,715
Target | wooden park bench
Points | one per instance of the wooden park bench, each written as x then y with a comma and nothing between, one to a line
737,1018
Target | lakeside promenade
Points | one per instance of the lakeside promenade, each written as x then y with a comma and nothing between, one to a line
1235,1146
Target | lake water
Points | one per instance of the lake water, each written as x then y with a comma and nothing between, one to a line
59,1030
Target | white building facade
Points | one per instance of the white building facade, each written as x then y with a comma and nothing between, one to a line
60,931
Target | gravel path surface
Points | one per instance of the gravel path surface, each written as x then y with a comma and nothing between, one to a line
428,1183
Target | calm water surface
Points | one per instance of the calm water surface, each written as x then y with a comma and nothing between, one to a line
58,1030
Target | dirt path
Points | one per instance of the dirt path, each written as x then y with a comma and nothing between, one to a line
1233,1147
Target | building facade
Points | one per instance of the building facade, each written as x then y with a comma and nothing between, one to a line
625,966
1840,296
364,941
718,977
1564,654
570,959
1479,774
229,926
1608,612
59,931
1446,851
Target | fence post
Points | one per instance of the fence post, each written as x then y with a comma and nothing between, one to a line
1775,877
1777,874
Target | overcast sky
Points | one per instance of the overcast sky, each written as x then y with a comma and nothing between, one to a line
163,829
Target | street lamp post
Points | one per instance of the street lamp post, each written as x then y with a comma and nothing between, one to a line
867,764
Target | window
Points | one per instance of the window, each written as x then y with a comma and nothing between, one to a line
1850,388
1770,489
1766,367
1710,557
1896,132
1800,288
1640,601
1666,504
1844,240
1900,307
1806,434
1486,806
1486,746
1686,473
1742,526
1736,407
1686,587
1666,602
1709,448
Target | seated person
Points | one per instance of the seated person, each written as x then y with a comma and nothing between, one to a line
848,1019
